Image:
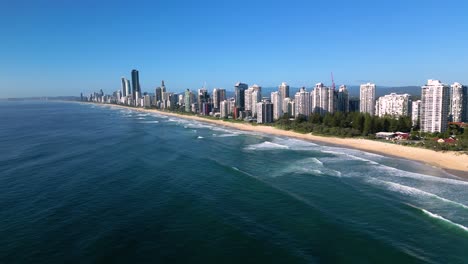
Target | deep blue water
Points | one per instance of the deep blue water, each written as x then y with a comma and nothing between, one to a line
82,183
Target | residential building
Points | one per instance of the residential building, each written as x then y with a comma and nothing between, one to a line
458,103
394,105
302,103
367,98
283,90
342,103
264,112
277,102
416,112
435,106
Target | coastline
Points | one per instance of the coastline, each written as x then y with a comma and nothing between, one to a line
451,162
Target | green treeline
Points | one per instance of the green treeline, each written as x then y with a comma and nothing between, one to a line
345,124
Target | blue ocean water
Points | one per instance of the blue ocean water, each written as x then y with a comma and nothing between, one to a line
83,183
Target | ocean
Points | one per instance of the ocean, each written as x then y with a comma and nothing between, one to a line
84,183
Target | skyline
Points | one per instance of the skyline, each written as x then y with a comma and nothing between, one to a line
58,48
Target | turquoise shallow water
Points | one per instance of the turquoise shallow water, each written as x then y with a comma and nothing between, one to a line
88,183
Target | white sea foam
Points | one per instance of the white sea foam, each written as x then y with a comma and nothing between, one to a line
407,190
436,216
200,137
349,156
295,144
149,122
267,145
140,118
405,174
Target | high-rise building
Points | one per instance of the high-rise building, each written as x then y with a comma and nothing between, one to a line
416,112
248,104
128,88
224,109
158,94
240,94
458,103
125,89
219,95
394,105
188,100
264,112
322,99
284,90
286,106
256,98
277,102
302,103
435,106
342,103
203,97
135,83
367,98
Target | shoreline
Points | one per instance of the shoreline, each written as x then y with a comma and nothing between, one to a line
451,162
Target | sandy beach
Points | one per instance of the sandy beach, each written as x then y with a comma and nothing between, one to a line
453,162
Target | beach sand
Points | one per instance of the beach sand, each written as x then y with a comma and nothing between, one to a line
453,162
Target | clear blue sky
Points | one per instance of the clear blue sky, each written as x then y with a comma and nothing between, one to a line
66,47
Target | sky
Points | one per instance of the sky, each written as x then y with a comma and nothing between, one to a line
51,48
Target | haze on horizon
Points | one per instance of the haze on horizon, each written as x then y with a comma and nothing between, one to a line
66,47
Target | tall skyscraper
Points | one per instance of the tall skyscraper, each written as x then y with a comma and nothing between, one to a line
128,88
458,103
188,100
264,112
342,104
416,112
135,83
277,102
435,106
224,109
239,89
322,99
367,98
283,90
124,87
302,103
202,98
256,98
394,105
158,94
219,95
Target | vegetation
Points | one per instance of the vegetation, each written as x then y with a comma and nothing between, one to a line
345,125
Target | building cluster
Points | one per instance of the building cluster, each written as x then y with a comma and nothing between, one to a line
439,104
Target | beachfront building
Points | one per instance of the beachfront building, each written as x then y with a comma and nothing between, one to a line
302,103
342,102
367,98
283,90
277,102
188,97
458,103
394,105
322,99
239,90
435,106
264,112
287,106
416,112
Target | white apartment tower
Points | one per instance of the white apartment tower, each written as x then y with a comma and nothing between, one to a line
302,103
284,90
367,98
394,105
416,112
277,101
458,103
322,99
435,106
